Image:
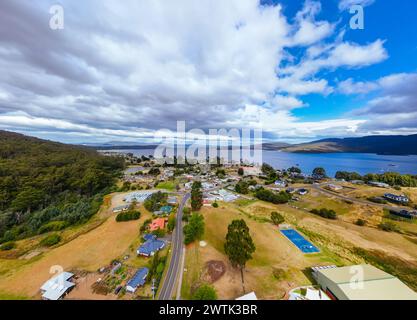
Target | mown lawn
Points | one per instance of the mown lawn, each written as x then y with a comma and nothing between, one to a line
167,185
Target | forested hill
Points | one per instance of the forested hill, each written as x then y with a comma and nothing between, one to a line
390,145
46,185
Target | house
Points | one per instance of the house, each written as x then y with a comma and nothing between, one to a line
58,286
121,208
157,224
362,282
297,175
137,280
150,246
207,185
334,187
398,199
249,296
290,190
188,185
378,184
280,183
172,200
302,191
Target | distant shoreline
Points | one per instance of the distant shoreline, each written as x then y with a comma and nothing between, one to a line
149,147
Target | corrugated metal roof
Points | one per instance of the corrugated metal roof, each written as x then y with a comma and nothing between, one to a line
374,285
138,279
56,287
150,247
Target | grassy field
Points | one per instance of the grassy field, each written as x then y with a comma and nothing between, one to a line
278,266
89,251
167,185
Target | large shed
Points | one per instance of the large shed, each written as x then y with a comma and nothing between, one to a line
362,282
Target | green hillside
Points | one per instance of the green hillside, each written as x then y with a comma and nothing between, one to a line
46,185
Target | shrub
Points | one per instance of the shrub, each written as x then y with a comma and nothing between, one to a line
388,226
221,173
215,205
325,213
194,230
240,172
154,171
171,222
377,200
277,218
128,216
156,201
205,292
360,222
275,198
50,240
145,225
53,226
252,182
242,187
186,215
8,246
159,233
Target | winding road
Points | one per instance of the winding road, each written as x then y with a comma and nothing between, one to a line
168,285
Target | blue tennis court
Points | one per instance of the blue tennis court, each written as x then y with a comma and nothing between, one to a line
301,243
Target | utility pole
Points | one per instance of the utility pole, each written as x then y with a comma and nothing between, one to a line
153,288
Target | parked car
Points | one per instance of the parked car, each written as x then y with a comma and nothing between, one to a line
118,289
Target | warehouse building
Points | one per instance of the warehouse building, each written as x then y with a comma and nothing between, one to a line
362,282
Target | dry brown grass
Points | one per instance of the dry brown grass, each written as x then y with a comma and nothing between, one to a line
273,251
88,251
276,255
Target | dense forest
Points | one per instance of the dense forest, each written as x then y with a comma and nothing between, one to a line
46,186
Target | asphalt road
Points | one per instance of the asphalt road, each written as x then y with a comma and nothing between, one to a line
168,285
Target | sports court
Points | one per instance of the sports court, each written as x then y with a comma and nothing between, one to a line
301,243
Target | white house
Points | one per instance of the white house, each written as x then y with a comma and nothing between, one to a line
57,287
280,183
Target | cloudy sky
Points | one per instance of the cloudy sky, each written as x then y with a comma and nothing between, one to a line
119,70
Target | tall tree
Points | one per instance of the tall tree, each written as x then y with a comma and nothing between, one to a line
319,172
240,172
194,230
196,196
239,245
205,292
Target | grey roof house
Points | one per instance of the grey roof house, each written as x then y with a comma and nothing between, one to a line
57,287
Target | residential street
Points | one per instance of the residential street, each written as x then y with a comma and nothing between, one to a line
168,285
